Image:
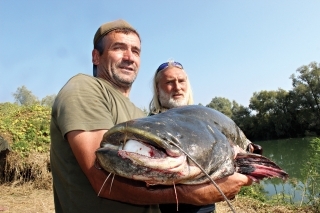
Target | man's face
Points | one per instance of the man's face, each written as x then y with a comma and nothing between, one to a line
172,87
120,61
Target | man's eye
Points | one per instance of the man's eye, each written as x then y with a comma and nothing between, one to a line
118,47
136,52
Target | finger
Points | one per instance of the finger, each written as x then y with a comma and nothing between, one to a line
246,181
232,198
249,182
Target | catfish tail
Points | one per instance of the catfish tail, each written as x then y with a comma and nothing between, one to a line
258,167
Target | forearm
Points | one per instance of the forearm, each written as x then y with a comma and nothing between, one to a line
135,192
208,193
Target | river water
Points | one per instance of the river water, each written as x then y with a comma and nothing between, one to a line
297,157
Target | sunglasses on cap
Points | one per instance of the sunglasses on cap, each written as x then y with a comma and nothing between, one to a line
166,65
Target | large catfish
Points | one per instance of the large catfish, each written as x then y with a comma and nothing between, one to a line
169,148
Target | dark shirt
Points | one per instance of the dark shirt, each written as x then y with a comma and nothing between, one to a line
186,208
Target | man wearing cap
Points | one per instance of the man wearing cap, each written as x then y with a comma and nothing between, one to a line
84,109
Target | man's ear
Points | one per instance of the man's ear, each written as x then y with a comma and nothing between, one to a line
95,56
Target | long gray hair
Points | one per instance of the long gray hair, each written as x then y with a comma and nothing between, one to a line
155,105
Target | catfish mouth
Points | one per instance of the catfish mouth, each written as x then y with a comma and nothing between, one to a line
140,141
156,165
143,154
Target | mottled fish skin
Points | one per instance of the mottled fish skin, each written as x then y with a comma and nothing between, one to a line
207,135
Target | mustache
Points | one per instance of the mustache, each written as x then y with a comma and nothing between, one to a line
127,65
183,94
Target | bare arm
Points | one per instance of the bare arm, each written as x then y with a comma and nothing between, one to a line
84,144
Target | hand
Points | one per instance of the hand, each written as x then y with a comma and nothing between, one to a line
207,193
237,150
255,148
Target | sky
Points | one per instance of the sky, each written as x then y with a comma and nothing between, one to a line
229,49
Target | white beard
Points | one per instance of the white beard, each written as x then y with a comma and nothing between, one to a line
167,101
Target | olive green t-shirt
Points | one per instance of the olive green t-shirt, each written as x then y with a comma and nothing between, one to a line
85,103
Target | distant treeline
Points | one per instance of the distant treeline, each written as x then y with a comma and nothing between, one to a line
270,114
279,114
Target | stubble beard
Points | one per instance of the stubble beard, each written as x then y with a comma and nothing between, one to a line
168,102
121,80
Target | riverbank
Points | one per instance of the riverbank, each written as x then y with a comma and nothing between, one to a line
26,199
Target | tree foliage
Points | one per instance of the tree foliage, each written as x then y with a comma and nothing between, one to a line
279,113
221,104
48,100
242,116
306,88
23,96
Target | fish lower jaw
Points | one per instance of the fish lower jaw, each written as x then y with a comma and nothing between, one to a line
161,171
173,164
169,177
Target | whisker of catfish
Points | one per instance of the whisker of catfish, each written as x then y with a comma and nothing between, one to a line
175,142
175,192
103,184
111,182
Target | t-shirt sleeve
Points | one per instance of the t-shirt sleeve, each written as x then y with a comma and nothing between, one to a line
82,105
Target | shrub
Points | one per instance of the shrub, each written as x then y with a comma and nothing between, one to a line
26,127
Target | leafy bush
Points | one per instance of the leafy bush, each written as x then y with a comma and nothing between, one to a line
26,127
255,191
312,180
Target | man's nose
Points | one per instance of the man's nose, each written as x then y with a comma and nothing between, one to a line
178,86
128,55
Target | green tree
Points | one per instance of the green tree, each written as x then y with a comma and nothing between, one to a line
280,116
271,114
221,104
23,96
48,100
242,117
262,105
299,115
306,87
